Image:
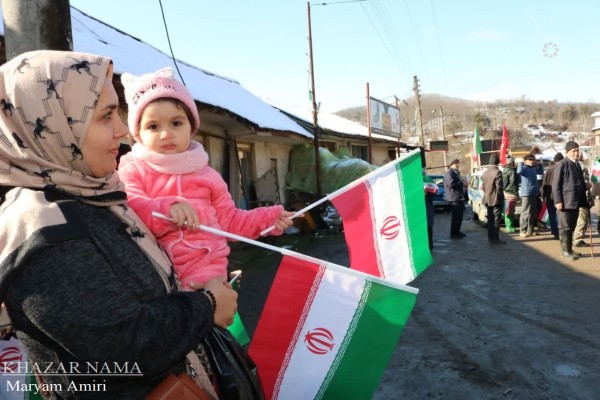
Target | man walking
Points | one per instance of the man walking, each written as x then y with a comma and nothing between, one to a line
569,193
493,199
455,195
529,192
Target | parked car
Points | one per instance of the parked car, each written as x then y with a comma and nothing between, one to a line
439,202
476,198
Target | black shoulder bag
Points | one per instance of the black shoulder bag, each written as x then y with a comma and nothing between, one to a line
236,375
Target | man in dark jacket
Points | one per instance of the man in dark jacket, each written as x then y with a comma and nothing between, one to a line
455,195
547,194
568,191
493,198
510,183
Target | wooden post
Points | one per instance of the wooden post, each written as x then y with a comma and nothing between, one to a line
36,25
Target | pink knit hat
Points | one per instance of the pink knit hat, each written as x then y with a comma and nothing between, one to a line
141,90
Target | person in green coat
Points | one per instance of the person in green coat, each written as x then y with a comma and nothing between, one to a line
510,181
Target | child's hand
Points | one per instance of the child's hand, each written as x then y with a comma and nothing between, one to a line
284,221
184,214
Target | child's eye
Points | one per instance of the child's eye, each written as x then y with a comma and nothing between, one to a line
177,123
153,126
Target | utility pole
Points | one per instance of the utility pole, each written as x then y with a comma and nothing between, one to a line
315,110
36,25
418,113
443,134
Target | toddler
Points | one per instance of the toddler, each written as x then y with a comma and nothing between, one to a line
166,171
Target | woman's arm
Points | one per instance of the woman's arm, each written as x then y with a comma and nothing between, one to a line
107,311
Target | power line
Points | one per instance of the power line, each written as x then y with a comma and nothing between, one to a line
169,40
417,39
398,63
439,45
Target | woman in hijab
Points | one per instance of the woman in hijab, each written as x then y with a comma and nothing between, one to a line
84,283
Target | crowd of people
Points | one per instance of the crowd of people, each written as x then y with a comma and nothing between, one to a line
563,190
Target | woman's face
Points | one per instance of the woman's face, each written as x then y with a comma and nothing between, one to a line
165,128
101,144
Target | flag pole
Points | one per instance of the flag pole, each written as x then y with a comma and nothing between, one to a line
291,253
344,189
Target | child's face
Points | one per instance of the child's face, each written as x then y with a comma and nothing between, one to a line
165,128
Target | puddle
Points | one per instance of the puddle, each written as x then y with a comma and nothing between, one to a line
566,370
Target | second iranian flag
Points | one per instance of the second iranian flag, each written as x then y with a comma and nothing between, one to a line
385,222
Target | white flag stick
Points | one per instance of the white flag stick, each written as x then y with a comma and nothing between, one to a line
346,188
301,256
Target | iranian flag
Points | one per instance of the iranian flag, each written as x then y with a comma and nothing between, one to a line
504,145
595,175
476,150
385,222
543,215
13,373
327,332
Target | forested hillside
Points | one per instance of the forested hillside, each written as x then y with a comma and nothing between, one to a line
529,123
461,115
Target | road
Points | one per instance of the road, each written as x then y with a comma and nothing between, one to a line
490,322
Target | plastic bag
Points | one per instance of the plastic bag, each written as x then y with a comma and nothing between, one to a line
235,373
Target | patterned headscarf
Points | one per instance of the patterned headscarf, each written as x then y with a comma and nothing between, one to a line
47,101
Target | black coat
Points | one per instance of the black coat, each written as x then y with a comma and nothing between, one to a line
454,188
568,185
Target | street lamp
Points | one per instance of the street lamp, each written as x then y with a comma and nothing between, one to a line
315,108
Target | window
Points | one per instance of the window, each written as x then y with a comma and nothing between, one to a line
360,152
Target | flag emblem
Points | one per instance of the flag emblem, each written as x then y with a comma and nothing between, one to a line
9,359
319,341
390,227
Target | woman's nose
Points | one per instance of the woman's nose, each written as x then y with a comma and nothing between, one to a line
121,129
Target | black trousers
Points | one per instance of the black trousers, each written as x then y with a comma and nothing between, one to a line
567,220
494,214
458,209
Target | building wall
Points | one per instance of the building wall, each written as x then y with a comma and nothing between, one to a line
263,153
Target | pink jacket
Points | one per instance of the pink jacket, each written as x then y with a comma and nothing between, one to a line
155,181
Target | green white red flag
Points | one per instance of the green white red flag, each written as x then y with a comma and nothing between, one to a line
385,223
327,332
595,175
476,149
543,215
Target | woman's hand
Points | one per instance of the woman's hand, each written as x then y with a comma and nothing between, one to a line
183,214
225,297
285,221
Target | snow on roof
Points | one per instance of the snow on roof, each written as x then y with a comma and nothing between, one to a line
136,57
328,121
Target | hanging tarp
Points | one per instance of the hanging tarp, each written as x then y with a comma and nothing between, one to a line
336,172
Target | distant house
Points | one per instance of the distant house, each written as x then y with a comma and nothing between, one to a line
596,127
336,132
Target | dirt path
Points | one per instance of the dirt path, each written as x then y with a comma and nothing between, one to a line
491,322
